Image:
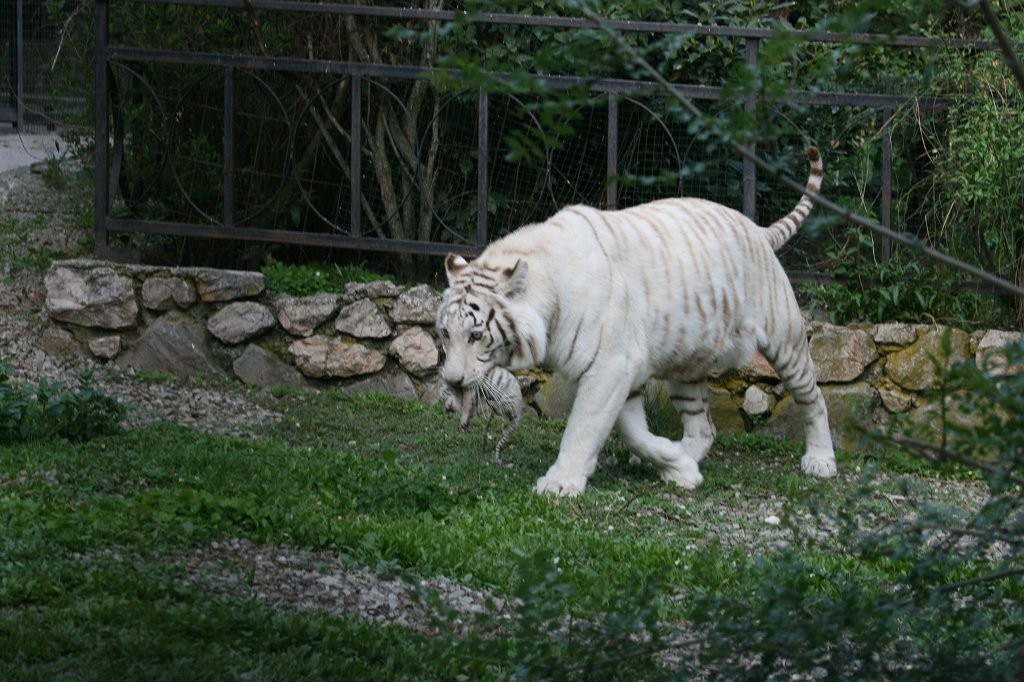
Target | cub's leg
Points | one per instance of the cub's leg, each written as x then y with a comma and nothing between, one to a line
599,399
691,401
792,360
668,456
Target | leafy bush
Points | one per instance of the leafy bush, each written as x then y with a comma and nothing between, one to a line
28,412
956,610
903,288
974,209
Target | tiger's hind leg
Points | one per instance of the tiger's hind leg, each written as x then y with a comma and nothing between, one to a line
668,456
792,361
691,402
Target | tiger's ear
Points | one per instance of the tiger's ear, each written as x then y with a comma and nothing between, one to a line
453,265
515,279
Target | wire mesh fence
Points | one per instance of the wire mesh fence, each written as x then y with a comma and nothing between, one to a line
305,124
43,78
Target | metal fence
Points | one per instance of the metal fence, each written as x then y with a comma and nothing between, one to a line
314,178
33,96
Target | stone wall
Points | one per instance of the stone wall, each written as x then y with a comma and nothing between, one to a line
380,337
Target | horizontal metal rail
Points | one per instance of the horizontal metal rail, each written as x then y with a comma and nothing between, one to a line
544,21
108,55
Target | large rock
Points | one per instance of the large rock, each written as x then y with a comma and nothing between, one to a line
991,356
58,342
725,414
396,383
913,368
895,334
257,367
756,402
174,344
416,306
238,322
167,293
895,399
228,285
840,354
363,320
378,289
320,357
415,350
759,369
95,297
853,409
555,395
300,316
105,347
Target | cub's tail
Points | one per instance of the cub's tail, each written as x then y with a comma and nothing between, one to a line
782,230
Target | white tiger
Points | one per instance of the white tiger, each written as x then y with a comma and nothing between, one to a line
499,390
674,289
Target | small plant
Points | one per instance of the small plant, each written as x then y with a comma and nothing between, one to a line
314,278
301,280
29,412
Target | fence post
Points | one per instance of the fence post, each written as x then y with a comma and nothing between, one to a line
483,162
19,65
749,169
887,115
612,195
101,80
229,146
355,156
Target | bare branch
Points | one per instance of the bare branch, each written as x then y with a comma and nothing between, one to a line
991,577
937,454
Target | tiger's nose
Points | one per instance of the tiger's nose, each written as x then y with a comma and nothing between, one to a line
454,381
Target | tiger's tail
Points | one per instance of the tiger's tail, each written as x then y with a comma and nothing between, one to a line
782,230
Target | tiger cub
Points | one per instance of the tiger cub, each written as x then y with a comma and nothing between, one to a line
499,389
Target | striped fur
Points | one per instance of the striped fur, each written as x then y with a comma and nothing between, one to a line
499,390
676,289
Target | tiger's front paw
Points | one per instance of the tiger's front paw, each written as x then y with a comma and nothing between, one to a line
684,472
821,463
560,484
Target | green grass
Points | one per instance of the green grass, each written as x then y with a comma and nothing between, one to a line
84,593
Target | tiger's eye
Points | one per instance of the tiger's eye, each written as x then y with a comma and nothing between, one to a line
475,336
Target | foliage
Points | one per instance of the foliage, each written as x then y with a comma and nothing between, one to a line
546,152
974,207
953,610
314,278
869,289
46,410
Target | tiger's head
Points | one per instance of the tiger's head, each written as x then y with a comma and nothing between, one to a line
484,321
